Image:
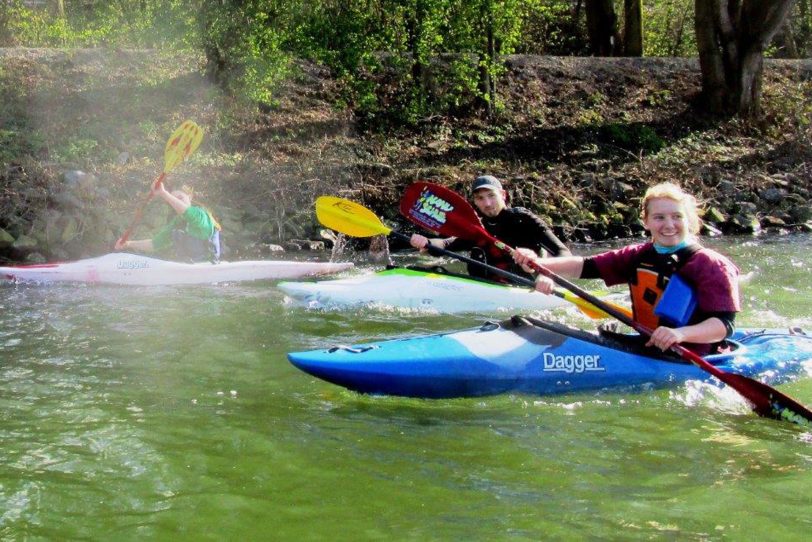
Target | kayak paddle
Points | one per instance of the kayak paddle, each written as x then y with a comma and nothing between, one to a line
183,142
442,210
355,220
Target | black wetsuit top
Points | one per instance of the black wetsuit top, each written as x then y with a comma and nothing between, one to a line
516,227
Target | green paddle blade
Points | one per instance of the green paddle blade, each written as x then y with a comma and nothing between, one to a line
349,218
183,142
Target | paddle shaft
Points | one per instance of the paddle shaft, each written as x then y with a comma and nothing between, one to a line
139,213
437,251
513,277
183,142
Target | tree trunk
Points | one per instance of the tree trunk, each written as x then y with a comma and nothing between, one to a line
601,24
491,65
57,8
747,93
633,28
487,61
731,36
710,56
785,42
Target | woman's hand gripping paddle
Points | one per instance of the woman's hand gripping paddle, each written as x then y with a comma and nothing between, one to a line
355,220
183,142
444,211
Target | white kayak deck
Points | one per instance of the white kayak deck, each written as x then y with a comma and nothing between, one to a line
133,269
406,288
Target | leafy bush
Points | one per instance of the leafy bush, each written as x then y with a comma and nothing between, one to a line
634,137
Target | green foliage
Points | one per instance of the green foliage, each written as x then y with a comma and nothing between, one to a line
590,117
551,27
657,98
399,61
75,149
668,28
147,23
634,137
801,21
15,143
245,44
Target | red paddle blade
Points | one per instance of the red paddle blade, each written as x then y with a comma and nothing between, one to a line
768,402
443,211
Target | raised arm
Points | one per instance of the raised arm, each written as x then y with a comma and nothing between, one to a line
179,204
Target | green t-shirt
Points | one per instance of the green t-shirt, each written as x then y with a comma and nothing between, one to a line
198,222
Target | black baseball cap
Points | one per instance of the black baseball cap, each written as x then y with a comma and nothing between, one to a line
486,181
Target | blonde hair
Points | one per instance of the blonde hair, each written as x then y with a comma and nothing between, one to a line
675,193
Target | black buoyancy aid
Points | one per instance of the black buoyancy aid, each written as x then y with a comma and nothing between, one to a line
495,257
651,276
510,227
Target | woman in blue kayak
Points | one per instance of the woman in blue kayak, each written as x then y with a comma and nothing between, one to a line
698,287
193,235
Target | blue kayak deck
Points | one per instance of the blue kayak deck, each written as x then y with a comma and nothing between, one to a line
535,357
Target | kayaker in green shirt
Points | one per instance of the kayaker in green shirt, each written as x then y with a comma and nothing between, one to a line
192,235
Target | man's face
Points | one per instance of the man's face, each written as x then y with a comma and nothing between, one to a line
489,202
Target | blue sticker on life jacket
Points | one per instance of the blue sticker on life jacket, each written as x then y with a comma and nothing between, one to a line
678,302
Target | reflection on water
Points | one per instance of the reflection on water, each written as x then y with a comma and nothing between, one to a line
155,412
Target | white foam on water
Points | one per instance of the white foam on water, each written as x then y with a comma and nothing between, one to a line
706,394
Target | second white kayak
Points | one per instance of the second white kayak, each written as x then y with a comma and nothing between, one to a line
122,268
419,289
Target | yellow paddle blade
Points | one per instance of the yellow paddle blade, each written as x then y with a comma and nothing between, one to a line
348,217
590,310
620,308
183,142
585,306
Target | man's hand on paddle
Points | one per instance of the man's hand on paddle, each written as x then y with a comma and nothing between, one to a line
423,243
523,257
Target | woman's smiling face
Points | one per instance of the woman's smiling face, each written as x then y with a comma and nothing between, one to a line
667,220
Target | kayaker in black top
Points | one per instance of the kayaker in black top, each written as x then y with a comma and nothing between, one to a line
514,226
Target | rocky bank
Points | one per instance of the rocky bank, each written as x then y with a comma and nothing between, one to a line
575,139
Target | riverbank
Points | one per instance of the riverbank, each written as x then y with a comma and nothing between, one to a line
575,139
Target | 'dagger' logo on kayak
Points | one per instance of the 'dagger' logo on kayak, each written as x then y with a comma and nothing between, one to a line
132,264
571,364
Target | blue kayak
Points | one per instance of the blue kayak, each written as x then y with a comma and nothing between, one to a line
524,355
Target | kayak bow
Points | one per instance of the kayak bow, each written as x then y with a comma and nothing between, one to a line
132,269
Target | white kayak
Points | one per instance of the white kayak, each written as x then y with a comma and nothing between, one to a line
419,289
133,269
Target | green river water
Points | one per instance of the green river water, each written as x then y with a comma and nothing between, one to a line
130,413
